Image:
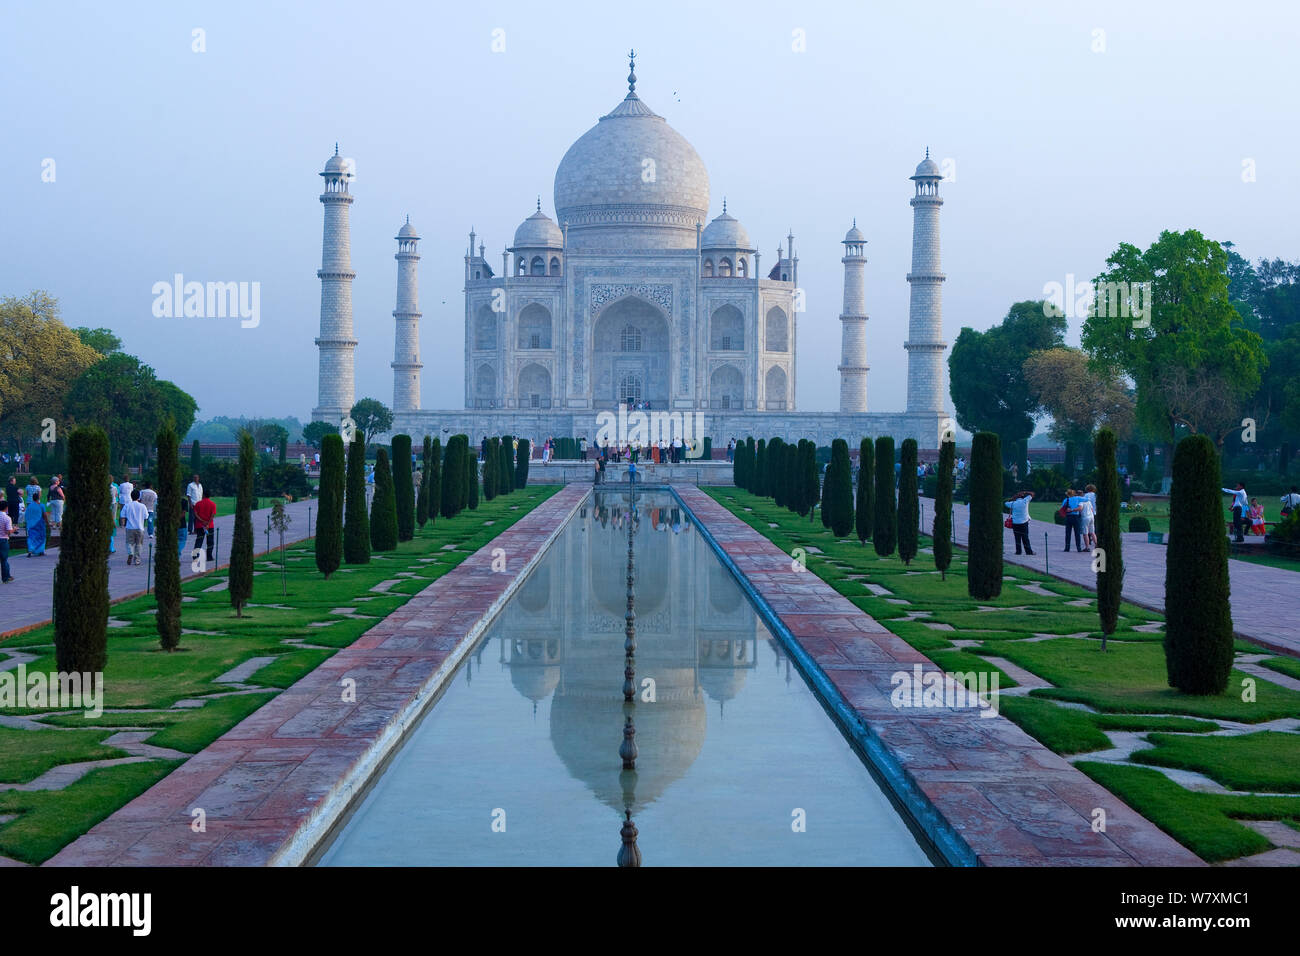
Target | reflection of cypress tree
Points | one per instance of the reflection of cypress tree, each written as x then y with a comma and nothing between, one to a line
329,526
984,560
383,507
81,578
1198,617
241,550
943,509
356,521
909,518
884,526
866,501
422,497
403,487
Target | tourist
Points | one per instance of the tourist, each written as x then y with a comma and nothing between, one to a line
124,489
1071,509
112,507
194,492
149,498
1240,505
482,449
1290,502
1019,506
731,450
6,529
57,499
204,529
37,521
1256,517
14,497
182,533
32,488
1088,517
582,445
135,518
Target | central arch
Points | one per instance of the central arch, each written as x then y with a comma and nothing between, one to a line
630,344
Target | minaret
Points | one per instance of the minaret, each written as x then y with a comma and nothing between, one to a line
406,348
925,345
853,347
337,390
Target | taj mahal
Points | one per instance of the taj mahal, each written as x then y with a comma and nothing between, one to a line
632,294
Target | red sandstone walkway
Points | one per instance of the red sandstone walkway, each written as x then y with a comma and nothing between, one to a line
1013,801
1265,601
271,785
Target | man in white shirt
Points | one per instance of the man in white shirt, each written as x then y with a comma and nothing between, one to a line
6,529
1240,506
149,498
193,491
1019,506
1290,502
124,489
136,517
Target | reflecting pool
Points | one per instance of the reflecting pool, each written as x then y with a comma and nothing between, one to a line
518,763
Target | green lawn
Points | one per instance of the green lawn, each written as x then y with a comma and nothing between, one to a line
1124,688
146,682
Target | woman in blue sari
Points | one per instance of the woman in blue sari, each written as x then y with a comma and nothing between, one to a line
36,521
112,507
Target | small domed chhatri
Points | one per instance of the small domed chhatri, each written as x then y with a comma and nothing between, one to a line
539,231
927,168
726,232
407,231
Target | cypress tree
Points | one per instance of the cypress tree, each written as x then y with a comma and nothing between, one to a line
866,500
791,455
839,496
329,526
1022,460
167,574
744,466
491,469
284,449
909,518
809,471
356,524
506,479
434,472
81,581
453,477
471,481
383,507
196,458
828,496
468,467
1198,616
751,455
1109,560
521,463
884,523
403,487
422,497
241,549
984,561
1134,460
760,467
943,509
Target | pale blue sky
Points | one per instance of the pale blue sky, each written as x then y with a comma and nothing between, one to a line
206,163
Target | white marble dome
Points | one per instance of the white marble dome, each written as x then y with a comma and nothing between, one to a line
608,194
927,169
726,232
407,231
538,231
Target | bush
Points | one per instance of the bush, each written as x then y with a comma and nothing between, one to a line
1198,617
865,504
943,508
909,517
1139,523
422,495
81,577
521,463
839,492
434,472
403,487
984,562
453,476
1048,483
1110,576
167,574
329,523
885,523
491,468
356,522
383,507
929,486
760,468
241,548
276,481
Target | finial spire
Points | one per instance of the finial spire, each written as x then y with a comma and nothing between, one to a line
724,204
408,218
539,203
631,71
927,152
855,222
336,149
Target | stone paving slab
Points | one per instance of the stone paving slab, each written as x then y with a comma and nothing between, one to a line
1010,799
272,785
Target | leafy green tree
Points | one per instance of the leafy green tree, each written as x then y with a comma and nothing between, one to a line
422,497
909,518
521,463
269,434
329,526
167,575
986,370
943,509
1110,564
196,458
356,523
241,550
101,340
383,507
1198,614
126,399
81,577
314,433
838,499
371,416
884,526
984,561
865,505
403,487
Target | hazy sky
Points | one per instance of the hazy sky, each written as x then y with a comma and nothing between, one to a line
167,160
